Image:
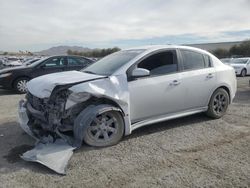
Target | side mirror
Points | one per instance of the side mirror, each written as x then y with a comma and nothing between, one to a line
140,72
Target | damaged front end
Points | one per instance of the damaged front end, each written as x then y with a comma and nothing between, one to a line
51,125
53,117
49,116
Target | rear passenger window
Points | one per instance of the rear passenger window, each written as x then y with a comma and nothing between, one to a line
161,63
55,62
75,61
194,60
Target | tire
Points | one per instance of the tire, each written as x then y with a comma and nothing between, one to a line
243,73
20,85
218,104
105,128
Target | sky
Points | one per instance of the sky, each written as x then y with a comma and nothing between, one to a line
35,25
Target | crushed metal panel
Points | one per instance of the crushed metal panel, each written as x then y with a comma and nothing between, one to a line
114,88
53,155
43,86
24,119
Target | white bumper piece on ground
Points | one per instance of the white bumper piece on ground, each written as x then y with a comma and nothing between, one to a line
54,155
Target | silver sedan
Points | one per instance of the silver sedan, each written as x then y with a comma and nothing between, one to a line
124,91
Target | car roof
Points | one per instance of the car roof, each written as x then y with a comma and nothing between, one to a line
243,58
159,47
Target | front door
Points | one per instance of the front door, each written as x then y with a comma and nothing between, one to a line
51,65
160,93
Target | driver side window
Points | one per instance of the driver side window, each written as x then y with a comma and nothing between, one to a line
160,64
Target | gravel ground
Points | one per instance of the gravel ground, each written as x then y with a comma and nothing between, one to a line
193,151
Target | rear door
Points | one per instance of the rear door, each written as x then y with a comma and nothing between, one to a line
51,65
199,77
77,63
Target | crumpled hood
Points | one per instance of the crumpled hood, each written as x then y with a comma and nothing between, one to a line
43,86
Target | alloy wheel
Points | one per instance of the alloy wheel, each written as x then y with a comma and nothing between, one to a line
103,127
243,73
22,86
220,103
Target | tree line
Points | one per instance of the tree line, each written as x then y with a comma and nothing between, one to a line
241,50
96,53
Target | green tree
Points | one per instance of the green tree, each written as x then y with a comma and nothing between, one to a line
95,52
221,53
69,52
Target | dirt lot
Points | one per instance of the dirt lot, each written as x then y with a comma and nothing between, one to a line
193,151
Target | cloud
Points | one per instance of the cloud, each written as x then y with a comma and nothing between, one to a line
35,24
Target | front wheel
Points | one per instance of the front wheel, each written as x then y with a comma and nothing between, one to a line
20,85
105,129
243,73
218,104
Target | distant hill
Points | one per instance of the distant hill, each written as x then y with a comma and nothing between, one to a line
61,50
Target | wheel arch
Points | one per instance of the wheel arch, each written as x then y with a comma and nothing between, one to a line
226,88
19,77
245,70
84,118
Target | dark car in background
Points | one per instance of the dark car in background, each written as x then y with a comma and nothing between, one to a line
17,77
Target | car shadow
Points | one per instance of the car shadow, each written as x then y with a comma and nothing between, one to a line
242,96
4,91
14,142
170,124
157,127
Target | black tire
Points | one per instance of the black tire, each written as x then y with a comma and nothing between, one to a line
218,104
104,129
20,85
243,73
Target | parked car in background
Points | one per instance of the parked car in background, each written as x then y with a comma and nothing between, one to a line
124,91
13,63
241,66
17,77
226,60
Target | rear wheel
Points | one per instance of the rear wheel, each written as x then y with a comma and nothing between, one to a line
20,85
218,104
105,129
243,73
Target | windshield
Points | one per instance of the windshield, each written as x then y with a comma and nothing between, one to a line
30,61
239,61
109,64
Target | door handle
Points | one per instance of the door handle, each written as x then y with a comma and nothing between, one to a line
175,83
210,75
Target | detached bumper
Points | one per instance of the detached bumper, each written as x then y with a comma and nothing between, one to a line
24,119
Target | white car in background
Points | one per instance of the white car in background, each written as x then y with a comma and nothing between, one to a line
241,66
